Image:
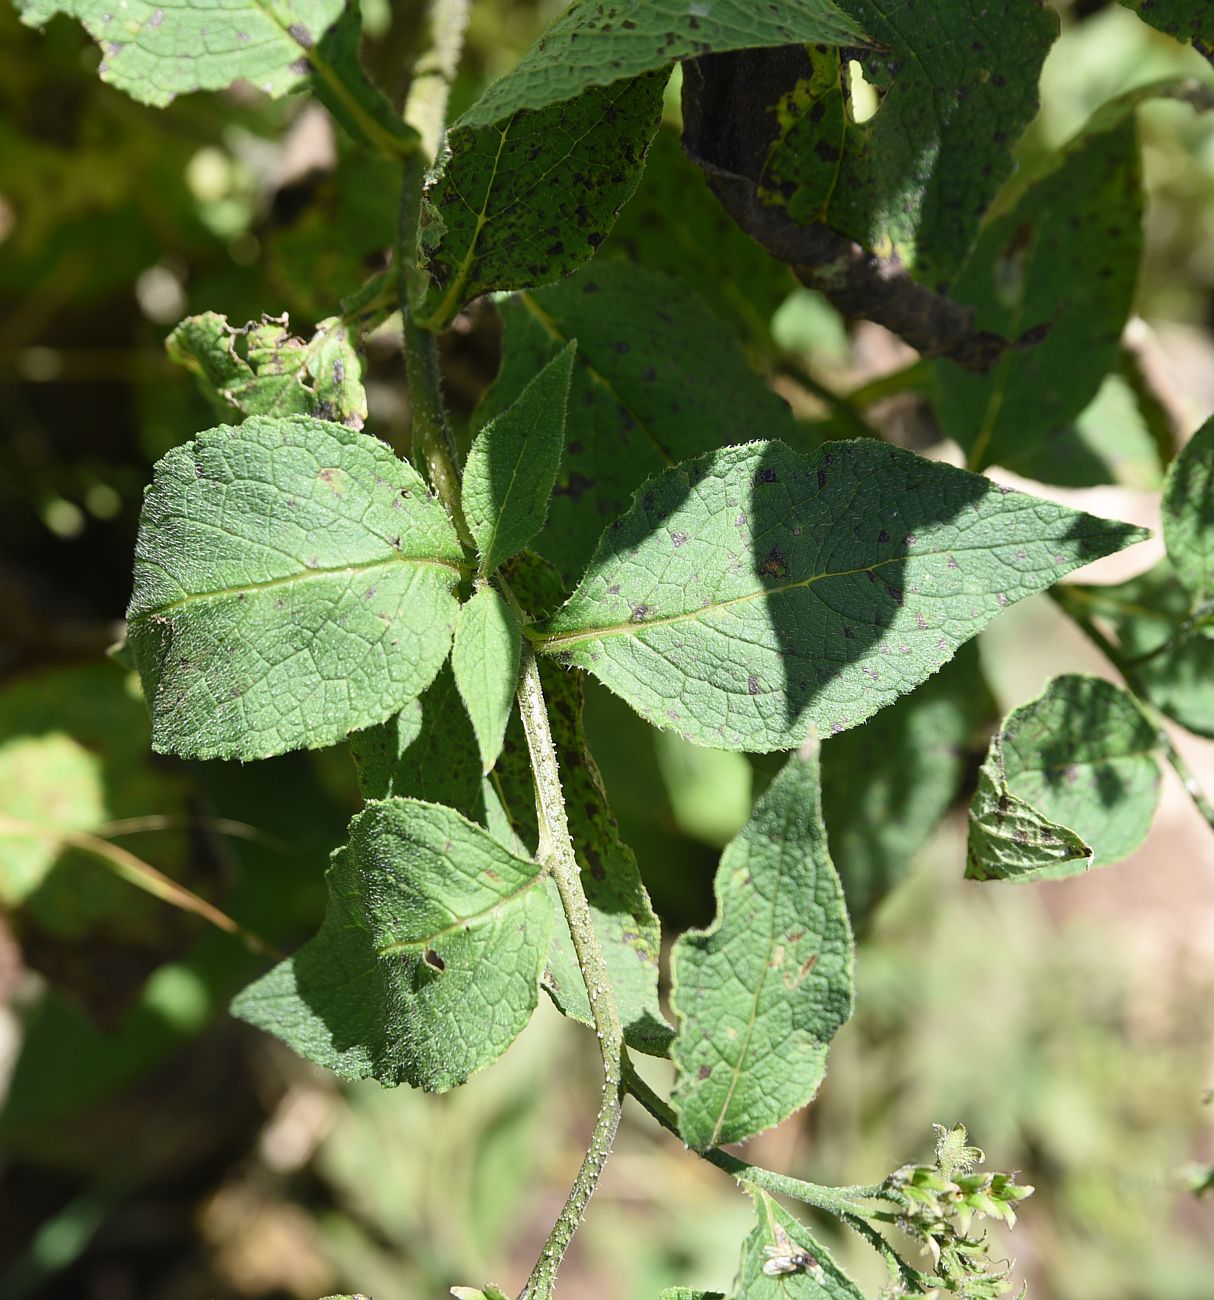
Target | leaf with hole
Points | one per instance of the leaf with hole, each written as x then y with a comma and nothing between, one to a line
427,965
293,583
511,469
755,596
760,994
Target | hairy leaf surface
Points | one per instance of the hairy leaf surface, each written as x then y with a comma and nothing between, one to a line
760,994
485,660
427,965
1188,514
657,379
598,42
512,466
754,596
527,200
274,373
1083,756
293,583
771,1238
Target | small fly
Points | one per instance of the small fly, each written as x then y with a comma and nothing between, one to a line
786,1257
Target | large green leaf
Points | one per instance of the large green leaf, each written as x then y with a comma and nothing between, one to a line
525,201
485,660
754,596
273,373
886,785
624,919
293,582
658,379
427,965
759,995
781,1260
598,42
1187,20
1188,514
511,469
1082,757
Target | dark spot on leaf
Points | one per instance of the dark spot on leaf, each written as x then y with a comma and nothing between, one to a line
752,685
434,960
775,566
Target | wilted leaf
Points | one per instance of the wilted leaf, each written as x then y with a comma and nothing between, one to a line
293,583
760,994
427,965
755,596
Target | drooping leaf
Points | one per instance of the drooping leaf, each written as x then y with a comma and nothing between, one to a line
1187,20
886,785
754,596
657,379
511,469
623,916
155,52
1061,264
485,660
673,223
781,1260
957,85
1188,514
293,583
598,42
1080,760
427,965
273,373
760,994
527,200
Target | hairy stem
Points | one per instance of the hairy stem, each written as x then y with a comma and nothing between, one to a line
434,71
1071,605
844,1203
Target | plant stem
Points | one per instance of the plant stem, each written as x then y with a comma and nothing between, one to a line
434,71
1070,604
842,1202
556,852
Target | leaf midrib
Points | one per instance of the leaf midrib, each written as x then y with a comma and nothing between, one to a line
473,919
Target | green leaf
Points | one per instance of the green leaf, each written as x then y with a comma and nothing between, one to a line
623,916
471,1293
512,466
658,379
1188,514
957,85
674,224
760,994
1062,263
485,660
754,596
155,53
527,200
598,42
1187,20
293,582
1077,769
273,373
779,1240
427,965
689,1293
886,785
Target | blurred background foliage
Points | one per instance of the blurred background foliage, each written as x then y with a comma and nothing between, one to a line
154,1149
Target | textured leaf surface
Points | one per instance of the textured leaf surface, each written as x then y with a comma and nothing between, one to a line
657,379
760,994
512,466
886,785
1065,259
689,1293
524,202
774,1233
273,373
485,660
155,51
293,582
958,86
624,918
1187,20
673,223
755,595
597,42
427,965
1188,514
1083,755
